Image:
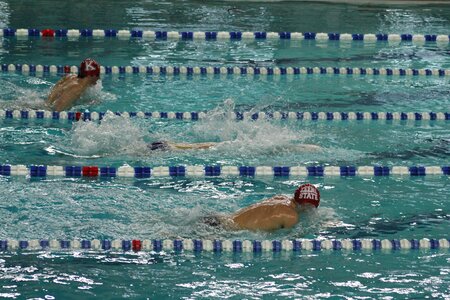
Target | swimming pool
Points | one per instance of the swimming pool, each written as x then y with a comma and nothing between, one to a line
164,207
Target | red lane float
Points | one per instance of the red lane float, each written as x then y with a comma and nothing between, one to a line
136,245
90,171
48,32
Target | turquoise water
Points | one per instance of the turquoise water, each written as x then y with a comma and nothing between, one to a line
360,207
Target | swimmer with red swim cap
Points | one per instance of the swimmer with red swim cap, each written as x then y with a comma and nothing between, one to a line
275,213
70,88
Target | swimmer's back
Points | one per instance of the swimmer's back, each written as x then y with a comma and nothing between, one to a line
60,86
66,92
271,214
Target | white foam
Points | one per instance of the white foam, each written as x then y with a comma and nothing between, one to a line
247,136
23,97
114,134
95,94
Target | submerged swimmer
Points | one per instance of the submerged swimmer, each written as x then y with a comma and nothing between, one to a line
275,213
70,88
168,146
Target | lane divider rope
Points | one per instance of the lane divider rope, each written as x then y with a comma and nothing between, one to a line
217,170
224,35
235,246
30,69
277,115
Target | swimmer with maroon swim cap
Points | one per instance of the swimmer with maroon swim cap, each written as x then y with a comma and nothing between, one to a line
277,212
307,194
89,67
70,88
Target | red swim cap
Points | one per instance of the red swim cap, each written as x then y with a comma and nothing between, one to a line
89,67
307,193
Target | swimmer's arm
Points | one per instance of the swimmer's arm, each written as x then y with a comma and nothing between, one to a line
308,147
187,146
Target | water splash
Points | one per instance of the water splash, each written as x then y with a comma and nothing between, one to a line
95,95
114,134
248,136
15,96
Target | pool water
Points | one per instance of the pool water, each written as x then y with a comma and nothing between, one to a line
391,207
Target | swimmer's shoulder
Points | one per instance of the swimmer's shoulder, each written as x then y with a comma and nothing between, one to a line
278,200
281,197
69,77
68,80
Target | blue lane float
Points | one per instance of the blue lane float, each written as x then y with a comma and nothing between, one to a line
239,116
225,35
42,171
36,70
231,246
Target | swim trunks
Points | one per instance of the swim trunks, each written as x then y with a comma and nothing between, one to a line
160,145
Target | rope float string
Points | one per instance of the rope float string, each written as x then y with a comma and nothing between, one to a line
236,246
224,35
40,171
277,115
30,69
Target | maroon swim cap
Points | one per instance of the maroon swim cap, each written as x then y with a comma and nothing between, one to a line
307,193
89,67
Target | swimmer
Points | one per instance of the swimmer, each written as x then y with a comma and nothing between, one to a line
232,10
167,146
70,88
170,146
271,214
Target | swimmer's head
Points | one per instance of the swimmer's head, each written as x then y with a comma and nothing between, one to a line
307,194
89,67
